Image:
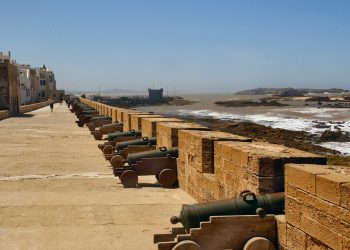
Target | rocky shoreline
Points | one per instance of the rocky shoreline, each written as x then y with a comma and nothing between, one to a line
295,139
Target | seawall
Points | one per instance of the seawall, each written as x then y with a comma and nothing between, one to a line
215,165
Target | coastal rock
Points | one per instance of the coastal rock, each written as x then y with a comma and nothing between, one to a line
335,136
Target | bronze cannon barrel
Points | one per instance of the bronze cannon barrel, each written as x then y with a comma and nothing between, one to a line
246,204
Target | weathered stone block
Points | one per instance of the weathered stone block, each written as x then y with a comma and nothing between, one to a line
334,188
265,159
149,125
296,239
304,176
281,229
293,210
167,132
200,147
321,232
336,211
136,120
127,119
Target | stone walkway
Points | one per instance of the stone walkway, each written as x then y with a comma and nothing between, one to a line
57,191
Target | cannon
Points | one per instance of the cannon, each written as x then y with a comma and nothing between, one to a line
143,141
123,149
114,138
161,164
106,129
85,116
97,122
246,204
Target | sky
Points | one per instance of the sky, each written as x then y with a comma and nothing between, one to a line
216,46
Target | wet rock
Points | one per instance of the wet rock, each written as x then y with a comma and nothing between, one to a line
334,136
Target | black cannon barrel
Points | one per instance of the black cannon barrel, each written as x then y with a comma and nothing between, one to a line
247,204
142,141
113,136
133,158
100,117
88,112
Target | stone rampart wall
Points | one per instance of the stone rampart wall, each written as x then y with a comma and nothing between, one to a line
34,106
24,109
215,165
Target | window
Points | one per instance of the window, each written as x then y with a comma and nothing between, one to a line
51,78
42,82
42,94
42,75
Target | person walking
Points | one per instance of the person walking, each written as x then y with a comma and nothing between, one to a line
51,106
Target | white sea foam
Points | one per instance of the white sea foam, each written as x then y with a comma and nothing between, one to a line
343,147
279,121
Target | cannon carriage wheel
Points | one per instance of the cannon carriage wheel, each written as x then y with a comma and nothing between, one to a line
117,161
258,243
108,149
129,178
186,245
167,177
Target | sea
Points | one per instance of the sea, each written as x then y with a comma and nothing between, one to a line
297,116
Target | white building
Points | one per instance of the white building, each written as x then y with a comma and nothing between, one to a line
25,83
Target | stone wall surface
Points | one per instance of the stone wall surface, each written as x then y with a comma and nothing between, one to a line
127,118
149,125
167,132
317,207
257,166
34,106
195,164
136,120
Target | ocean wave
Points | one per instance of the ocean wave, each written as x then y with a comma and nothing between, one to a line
342,147
274,121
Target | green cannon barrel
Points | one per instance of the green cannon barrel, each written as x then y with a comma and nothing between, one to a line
133,158
100,117
113,136
247,204
142,141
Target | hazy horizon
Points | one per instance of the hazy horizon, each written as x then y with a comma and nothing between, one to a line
194,45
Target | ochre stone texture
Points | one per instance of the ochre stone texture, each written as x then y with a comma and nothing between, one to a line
136,120
149,125
127,118
257,166
195,163
167,132
120,113
317,206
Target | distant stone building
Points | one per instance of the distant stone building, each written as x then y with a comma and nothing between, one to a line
155,96
47,85
25,83
34,79
9,84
